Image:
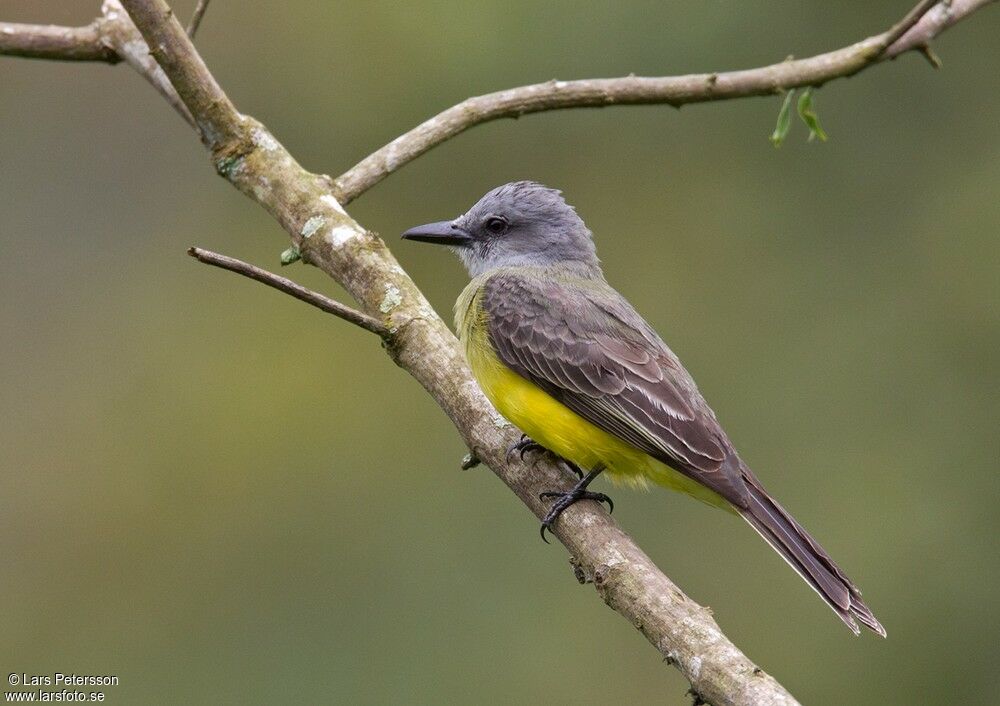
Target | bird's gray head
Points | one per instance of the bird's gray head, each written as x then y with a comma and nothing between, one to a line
521,224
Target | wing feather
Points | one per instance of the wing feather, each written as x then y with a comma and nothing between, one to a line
581,342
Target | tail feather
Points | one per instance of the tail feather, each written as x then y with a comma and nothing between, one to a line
803,553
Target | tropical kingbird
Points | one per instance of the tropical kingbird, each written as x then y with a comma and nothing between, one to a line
567,359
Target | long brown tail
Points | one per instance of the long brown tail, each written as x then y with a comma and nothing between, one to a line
804,554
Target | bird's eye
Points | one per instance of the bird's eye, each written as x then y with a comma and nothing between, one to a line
497,225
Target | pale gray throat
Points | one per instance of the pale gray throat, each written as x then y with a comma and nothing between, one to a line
476,264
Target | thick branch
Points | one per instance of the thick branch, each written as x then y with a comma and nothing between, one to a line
56,43
916,30
283,284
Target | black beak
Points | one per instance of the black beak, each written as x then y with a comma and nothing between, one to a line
441,233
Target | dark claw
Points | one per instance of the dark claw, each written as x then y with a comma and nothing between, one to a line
525,445
564,499
585,495
572,468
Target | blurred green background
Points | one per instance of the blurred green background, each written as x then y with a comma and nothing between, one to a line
223,496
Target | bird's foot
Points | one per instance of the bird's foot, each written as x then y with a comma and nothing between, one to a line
566,498
527,445
524,446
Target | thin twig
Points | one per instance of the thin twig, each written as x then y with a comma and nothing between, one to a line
909,20
918,28
199,13
119,32
928,53
283,284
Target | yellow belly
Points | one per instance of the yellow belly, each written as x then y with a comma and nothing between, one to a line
562,431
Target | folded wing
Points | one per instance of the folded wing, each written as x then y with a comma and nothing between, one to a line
586,346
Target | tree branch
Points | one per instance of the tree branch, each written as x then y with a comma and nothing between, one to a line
109,38
196,18
917,29
283,284
214,114
904,25
56,43
941,17
307,207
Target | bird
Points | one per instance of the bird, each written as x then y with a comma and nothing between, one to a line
567,359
